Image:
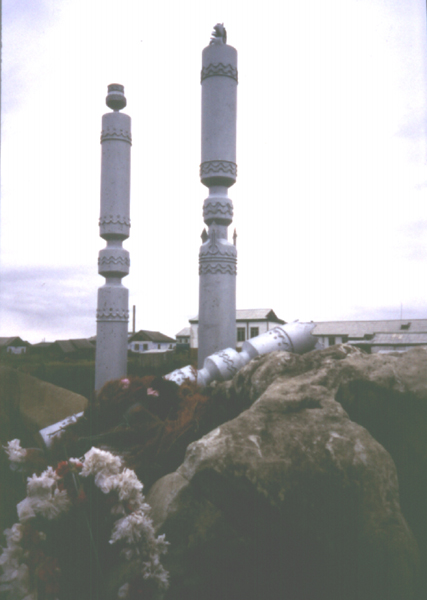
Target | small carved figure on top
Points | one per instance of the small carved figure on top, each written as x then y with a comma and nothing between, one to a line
219,34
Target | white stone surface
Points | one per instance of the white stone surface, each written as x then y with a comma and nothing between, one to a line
221,366
113,263
218,171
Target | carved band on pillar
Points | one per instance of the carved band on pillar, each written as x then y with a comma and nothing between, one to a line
219,69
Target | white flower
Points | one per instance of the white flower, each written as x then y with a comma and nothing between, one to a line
49,507
25,509
13,551
53,505
15,452
42,485
132,528
155,570
123,591
126,483
16,579
161,544
14,534
101,464
9,559
44,498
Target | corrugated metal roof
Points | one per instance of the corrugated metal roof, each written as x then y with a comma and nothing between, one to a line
184,332
395,339
358,329
252,314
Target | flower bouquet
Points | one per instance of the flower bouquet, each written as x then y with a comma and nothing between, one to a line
83,533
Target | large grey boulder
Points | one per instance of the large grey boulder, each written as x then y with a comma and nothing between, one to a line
292,499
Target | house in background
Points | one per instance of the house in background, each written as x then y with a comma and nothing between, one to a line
145,341
249,323
13,345
183,339
78,348
374,336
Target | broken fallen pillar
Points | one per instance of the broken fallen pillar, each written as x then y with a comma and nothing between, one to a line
222,366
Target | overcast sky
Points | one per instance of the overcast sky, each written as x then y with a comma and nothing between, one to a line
330,201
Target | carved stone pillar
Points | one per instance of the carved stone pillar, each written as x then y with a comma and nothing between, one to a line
218,171
114,224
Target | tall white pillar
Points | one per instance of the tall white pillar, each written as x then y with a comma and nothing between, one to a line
113,303
218,171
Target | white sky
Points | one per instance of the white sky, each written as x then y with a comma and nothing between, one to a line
330,201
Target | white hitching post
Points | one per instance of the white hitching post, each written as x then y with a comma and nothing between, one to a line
218,171
114,224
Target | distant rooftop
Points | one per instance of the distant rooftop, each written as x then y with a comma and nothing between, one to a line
358,329
150,336
186,332
252,314
10,341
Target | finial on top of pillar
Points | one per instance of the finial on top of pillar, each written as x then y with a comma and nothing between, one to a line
116,96
219,34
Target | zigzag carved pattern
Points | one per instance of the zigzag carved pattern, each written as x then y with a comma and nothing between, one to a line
218,207
116,261
230,269
111,133
219,69
112,315
218,166
111,220
217,252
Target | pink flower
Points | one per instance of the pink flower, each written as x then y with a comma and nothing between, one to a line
125,383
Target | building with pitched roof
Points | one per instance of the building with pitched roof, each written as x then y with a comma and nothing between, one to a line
396,335
13,345
145,341
78,348
183,336
249,323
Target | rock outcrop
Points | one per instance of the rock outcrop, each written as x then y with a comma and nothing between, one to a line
298,497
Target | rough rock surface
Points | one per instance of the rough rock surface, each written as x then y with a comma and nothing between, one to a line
27,405
295,500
